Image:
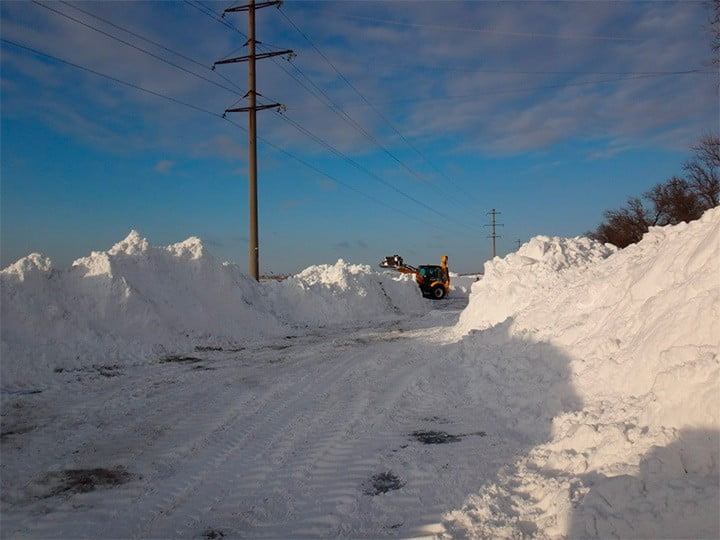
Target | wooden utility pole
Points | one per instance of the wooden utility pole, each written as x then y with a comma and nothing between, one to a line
493,225
251,109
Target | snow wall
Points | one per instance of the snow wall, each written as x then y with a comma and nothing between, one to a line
637,454
137,303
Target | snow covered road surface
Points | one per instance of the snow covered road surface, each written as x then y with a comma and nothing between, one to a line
288,438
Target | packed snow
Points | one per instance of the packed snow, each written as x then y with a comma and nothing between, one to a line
573,394
136,301
636,454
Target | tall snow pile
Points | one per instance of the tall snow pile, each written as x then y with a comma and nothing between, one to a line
636,454
136,303
344,293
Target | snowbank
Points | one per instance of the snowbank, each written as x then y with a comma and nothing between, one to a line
640,331
460,286
136,303
344,293
539,267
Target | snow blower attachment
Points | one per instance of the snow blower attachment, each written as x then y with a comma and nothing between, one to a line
433,280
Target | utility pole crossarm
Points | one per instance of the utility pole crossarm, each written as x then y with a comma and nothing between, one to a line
259,56
257,108
257,5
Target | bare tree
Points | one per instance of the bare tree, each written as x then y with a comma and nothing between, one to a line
674,201
624,226
669,203
703,169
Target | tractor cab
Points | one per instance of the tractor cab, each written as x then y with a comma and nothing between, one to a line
431,272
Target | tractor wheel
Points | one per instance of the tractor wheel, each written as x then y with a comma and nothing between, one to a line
438,292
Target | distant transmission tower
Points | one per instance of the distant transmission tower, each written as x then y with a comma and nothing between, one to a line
493,225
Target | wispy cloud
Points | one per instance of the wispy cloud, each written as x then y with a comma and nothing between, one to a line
163,166
504,117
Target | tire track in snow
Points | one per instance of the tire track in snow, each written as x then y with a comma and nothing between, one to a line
253,439
335,456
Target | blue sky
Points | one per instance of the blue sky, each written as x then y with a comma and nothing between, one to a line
431,114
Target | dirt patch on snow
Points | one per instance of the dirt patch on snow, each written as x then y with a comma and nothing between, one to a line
177,359
441,437
83,480
382,483
435,437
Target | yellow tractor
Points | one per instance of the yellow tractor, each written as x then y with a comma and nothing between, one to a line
433,280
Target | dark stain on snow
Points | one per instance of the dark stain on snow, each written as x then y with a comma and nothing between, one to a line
213,533
180,359
71,481
435,437
23,392
382,483
16,430
441,437
436,419
109,371
207,348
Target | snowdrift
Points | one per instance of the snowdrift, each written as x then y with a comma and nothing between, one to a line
136,303
343,293
637,454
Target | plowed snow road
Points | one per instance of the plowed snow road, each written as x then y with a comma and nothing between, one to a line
304,436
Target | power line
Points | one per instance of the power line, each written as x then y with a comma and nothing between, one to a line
211,13
148,40
208,80
487,30
347,118
377,111
109,77
358,166
342,112
144,51
210,113
534,88
425,67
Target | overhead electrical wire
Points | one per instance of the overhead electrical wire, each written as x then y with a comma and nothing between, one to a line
329,101
210,113
419,67
140,49
331,104
377,111
533,88
207,11
361,168
340,112
487,30
148,40
109,77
